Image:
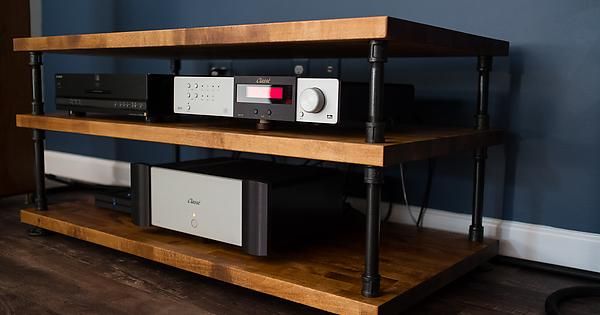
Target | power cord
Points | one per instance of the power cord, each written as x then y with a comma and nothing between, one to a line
405,196
553,301
426,195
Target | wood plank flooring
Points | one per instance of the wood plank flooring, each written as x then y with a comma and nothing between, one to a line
62,275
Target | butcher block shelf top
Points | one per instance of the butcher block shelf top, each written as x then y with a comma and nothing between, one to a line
325,275
336,38
305,141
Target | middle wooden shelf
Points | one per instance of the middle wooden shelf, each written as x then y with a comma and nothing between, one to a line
336,145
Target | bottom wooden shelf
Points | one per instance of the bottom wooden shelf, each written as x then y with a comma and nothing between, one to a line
327,276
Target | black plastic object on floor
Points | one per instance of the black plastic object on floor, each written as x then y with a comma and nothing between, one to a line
116,199
553,301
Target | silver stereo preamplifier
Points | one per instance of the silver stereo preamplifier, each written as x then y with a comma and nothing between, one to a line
314,100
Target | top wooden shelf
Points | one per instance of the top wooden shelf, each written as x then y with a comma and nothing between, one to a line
337,38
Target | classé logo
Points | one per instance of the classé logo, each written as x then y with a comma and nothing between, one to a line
263,80
193,202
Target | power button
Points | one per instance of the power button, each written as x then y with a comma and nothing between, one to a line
194,223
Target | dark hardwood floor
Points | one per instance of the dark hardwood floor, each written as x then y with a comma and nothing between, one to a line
60,275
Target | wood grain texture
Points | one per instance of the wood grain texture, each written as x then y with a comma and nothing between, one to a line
301,141
318,38
16,159
324,275
56,274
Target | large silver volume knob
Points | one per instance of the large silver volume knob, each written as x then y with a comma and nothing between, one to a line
312,100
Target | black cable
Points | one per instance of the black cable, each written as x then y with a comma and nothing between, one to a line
427,193
404,194
553,301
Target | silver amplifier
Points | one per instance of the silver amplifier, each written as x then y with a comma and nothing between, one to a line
246,203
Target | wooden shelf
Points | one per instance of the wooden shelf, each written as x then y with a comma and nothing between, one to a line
414,263
310,142
335,38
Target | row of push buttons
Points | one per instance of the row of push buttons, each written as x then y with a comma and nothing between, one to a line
189,85
129,105
195,95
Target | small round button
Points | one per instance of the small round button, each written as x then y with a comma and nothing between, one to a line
189,95
255,111
195,95
189,85
189,107
269,112
194,223
196,85
312,100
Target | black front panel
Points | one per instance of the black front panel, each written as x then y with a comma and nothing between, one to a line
101,105
101,86
138,94
265,97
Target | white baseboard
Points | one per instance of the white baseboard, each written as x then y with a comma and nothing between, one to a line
87,169
533,242
540,243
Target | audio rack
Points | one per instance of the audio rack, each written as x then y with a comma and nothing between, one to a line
344,281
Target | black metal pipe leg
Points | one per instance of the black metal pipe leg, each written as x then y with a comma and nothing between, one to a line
39,136
39,175
375,125
371,278
175,70
482,121
374,175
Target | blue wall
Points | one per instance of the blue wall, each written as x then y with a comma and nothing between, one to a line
546,93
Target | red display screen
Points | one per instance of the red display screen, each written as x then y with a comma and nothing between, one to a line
268,92
264,94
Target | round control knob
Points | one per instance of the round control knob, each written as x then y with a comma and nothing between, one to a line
312,100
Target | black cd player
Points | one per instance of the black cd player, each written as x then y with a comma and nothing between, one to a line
147,95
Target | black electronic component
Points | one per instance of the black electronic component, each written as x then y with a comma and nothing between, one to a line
115,199
148,95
